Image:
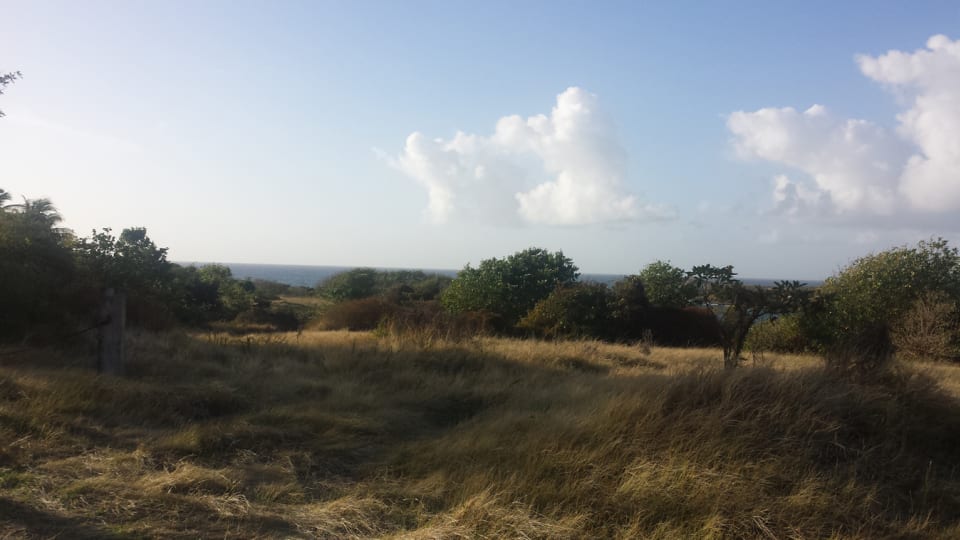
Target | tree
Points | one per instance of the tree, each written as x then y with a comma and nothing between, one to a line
737,307
36,269
6,79
132,261
667,285
41,211
509,287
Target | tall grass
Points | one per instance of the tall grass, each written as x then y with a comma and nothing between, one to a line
347,435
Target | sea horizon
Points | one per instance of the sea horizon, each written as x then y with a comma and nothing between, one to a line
306,275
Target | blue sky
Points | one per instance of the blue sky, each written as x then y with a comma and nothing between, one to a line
280,132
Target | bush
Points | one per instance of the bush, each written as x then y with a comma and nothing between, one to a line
929,330
879,290
667,285
366,282
511,286
362,314
779,334
580,310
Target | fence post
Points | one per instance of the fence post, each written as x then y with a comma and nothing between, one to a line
113,315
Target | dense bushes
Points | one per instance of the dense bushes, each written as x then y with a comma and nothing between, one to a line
580,310
366,282
51,282
37,269
778,334
509,287
905,299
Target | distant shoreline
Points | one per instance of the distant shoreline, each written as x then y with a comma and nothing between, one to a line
301,275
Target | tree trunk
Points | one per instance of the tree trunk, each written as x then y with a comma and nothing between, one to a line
113,314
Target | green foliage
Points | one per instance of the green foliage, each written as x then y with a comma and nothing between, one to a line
511,286
366,282
131,262
235,296
7,79
629,309
266,289
667,285
778,334
738,307
351,285
879,289
36,268
578,310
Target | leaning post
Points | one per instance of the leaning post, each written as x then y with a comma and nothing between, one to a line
113,315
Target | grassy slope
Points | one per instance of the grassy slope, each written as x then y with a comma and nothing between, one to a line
338,435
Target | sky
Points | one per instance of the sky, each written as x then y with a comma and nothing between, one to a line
784,138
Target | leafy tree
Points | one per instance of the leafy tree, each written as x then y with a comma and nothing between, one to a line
132,261
667,285
578,310
738,307
511,286
6,79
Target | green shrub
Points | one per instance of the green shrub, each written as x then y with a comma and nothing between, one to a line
880,289
779,334
366,282
579,310
511,286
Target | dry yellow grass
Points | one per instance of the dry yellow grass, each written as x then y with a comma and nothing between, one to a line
347,435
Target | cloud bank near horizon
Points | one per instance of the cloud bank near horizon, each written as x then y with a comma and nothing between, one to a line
567,168
857,169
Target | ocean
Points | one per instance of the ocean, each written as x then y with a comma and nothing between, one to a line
310,276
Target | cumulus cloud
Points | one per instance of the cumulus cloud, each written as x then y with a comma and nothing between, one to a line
857,168
567,168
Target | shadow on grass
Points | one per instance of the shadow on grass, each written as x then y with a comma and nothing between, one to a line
18,520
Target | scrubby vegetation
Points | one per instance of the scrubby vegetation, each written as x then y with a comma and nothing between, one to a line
244,412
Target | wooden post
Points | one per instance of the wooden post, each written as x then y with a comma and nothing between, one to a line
113,318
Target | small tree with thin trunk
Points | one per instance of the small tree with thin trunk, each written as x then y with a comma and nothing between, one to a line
737,307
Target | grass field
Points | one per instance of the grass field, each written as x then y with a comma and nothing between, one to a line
347,435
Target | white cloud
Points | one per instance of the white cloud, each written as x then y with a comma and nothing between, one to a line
564,169
854,164
857,168
931,179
